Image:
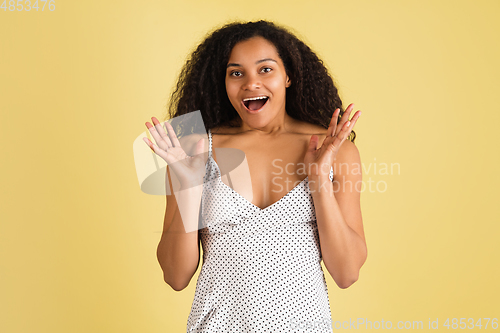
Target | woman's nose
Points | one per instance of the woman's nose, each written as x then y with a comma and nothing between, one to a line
252,82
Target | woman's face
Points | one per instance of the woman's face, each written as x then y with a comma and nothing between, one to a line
256,82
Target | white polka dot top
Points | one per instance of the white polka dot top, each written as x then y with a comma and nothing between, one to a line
261,268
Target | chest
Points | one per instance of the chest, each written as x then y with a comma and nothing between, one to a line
262,176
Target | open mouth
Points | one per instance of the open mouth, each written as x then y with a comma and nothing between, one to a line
255,103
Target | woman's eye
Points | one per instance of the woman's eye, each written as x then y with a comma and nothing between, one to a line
266,69
235,73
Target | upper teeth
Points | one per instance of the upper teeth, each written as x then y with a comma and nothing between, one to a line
254,98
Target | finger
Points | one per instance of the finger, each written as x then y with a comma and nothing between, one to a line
313,143
159,140
161,132
347,129
351,124
158,151
149,143
354,120
344,118
171,134
333,145
333,123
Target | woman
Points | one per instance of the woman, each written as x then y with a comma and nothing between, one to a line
264,92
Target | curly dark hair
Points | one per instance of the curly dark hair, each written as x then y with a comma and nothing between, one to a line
312,97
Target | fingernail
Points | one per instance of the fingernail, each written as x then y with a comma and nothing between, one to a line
148,125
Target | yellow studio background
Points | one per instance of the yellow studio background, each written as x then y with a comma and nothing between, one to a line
78,238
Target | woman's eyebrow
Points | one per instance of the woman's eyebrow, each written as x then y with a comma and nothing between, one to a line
231,64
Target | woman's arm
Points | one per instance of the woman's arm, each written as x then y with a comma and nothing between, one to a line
178,251
338,214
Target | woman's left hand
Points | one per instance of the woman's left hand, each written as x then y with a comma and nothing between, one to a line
319,161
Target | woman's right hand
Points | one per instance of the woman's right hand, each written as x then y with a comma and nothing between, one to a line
189,170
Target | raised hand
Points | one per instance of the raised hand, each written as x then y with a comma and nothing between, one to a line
319,160
188,170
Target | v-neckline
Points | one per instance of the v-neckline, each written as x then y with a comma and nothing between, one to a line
219,177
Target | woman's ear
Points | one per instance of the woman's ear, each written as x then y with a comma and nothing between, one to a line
288,82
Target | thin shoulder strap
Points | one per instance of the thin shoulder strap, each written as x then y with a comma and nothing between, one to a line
209,143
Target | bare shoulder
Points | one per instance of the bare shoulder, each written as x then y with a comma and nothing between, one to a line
348,151
348,160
